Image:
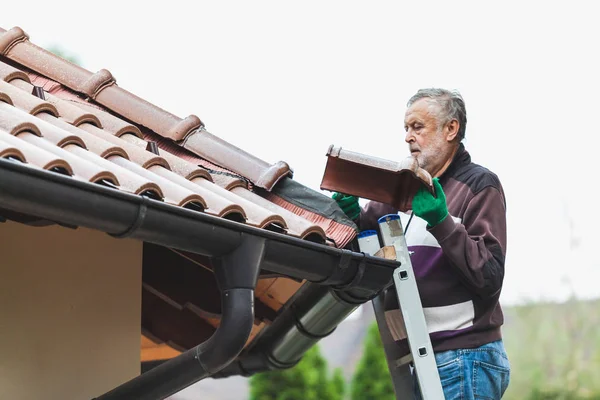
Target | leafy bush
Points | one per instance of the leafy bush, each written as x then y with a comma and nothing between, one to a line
308,380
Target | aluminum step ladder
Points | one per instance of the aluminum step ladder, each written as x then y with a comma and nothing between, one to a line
421,359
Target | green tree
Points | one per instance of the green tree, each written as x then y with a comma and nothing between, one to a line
372,378
308,380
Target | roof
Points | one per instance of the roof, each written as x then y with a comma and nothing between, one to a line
59,117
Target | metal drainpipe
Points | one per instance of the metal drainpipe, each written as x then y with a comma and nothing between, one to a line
314,314
236,275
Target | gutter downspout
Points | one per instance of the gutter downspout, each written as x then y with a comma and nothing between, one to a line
236,274
314,314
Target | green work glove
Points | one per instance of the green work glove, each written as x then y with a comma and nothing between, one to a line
431,209
348,204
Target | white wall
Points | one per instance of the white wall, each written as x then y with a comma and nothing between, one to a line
69,312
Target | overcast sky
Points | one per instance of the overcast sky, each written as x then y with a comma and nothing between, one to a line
285,80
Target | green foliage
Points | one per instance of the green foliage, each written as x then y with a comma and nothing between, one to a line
308,380
372,378
554,351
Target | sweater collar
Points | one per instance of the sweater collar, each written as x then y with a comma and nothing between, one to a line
461,158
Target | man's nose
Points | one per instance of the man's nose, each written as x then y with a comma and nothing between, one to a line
409,138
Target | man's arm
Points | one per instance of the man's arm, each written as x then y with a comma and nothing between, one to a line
371,213
477,246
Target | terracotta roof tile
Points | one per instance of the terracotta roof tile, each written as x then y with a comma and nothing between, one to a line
8,151
95,144
8,73
174,194
220,152
108,122
57,136
221,176
256,214
35,155
85,169
217,205
68,112
138,155
128,181
61,133
30,104
373,178
12,122
5,98
182,167
297,226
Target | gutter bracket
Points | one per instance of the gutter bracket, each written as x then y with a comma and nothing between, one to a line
362,265
139,220
344,264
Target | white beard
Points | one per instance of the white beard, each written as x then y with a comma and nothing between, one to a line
434,154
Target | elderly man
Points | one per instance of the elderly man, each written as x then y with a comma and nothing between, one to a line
457,242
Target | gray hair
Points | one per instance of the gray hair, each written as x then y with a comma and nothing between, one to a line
451,106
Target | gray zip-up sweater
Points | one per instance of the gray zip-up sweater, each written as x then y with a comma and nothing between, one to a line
458,264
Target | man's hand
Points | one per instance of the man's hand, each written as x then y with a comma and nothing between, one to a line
348,204
431,209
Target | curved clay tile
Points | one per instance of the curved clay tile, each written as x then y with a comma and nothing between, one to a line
82,168
10,38
222,153
173,193
8,73
57,136
222,177
93,143
8,151
216,204
256,214
110,123
138,155
385,181
147,114
13,124
26,101
128,180
178,165
4,98
96,83
66,110
35,155
297,226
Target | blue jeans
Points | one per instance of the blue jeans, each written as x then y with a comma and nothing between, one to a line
473,374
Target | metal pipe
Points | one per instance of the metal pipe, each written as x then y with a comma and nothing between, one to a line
314,314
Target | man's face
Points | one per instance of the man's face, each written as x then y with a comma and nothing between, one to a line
427,141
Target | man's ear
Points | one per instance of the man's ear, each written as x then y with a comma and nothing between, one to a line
452,130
